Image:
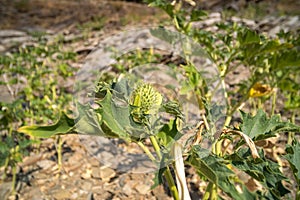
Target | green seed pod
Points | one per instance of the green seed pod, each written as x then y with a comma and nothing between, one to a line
145,99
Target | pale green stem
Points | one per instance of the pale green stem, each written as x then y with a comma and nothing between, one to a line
146,150
5,168
155,146
254,106
227,121
225,92
259,104
208,191
291,135
214,193
167,173
59,151
273,103
205,121
14,178
171,184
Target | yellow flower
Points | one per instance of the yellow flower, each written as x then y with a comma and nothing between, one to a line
259,90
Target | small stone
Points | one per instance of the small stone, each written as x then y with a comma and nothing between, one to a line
87,186
72,167
215,15
143,189
41,181
96,172
107,173
104,195
2,48
74,196
61,194
83,192
36,194
5,189
64,176
249,22
97,189
11,33
71,174
127,189
30,160
292,21
87,174
94,162
40,176
104,173
15,40
45,164
211,21
236,19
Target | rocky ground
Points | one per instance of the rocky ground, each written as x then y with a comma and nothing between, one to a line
83,175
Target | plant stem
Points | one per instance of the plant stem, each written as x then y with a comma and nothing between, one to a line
167,173
207,191
5,168
59,152
171,183
214,192
273,103
227,121
155,146
291,135
205,121
217,146
146,150
14,178
210,192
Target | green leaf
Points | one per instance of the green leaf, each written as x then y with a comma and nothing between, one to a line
112,119
64,125
88,121
158,178
173,108
169,133
293,158
248,36
168,36
216,171
3,147
261,127
263,170
116,115
196,160
198,15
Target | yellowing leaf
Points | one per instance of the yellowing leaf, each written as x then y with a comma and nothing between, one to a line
259,90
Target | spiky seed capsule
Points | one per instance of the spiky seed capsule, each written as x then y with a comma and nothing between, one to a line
146,99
